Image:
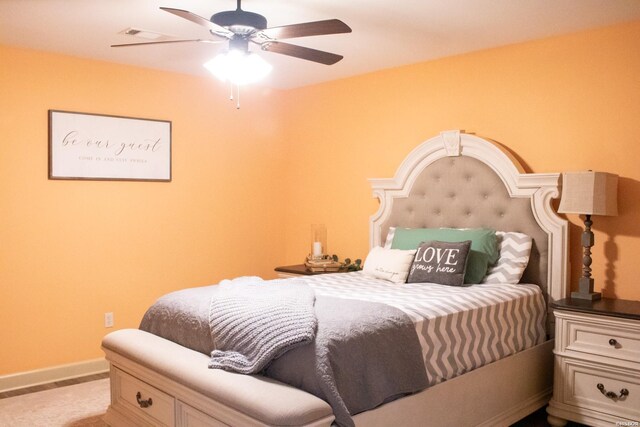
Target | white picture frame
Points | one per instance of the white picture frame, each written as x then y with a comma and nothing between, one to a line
89,146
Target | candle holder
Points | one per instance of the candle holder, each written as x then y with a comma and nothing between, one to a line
318,242
318,259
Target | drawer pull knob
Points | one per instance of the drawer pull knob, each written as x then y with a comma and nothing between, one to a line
612,395
148,402
613,342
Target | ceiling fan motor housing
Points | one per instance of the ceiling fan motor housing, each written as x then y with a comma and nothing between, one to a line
239,43
240,21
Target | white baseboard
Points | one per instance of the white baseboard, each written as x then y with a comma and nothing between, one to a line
52,374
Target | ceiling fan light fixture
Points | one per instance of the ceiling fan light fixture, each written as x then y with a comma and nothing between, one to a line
238,67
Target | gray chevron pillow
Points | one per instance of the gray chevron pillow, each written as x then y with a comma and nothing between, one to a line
514,257
390,234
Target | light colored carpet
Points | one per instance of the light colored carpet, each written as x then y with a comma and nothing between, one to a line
80,405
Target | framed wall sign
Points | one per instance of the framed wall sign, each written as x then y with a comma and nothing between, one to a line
102,147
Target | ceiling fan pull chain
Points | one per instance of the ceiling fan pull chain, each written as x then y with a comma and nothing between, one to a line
237,95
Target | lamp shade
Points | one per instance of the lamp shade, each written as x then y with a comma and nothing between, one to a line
589,193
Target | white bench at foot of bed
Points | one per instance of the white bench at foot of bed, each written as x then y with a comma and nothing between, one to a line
157,382
185,392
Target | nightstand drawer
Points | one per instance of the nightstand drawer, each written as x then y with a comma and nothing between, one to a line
597,335
599,388
150,405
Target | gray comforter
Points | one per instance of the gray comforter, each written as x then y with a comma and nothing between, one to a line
364,354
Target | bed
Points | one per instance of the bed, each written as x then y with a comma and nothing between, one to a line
455,180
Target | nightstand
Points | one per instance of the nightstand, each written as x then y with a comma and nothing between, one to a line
597,363
299,270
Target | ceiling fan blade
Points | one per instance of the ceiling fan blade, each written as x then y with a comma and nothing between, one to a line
214,28
317,28
301,52
166,41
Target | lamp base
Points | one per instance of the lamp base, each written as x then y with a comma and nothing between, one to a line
591,296
585,290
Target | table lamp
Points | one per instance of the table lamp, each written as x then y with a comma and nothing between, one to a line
588,193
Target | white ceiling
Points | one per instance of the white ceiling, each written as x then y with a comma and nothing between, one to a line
385,33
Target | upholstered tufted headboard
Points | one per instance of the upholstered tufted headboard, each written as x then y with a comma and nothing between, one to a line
460,180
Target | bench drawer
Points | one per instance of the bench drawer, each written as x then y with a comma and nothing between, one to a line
188,416
150,405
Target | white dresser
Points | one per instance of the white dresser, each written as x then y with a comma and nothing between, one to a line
597,363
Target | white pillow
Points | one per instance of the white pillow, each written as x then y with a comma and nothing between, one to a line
515,249
389,264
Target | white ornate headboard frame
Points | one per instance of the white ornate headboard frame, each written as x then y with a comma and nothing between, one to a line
445,182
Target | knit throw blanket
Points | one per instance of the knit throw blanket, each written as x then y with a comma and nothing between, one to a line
254,322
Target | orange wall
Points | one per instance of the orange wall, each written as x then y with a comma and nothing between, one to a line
72,250
561,104
248,184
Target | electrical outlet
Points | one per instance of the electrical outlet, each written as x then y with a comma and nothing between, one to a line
108,320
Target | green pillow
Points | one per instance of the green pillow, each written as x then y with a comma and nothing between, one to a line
484,246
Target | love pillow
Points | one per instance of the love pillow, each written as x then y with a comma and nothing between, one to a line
440,262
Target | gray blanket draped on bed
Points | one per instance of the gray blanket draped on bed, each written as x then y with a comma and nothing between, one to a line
363,355
253,322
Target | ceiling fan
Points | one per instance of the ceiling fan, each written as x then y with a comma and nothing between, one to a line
240,28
